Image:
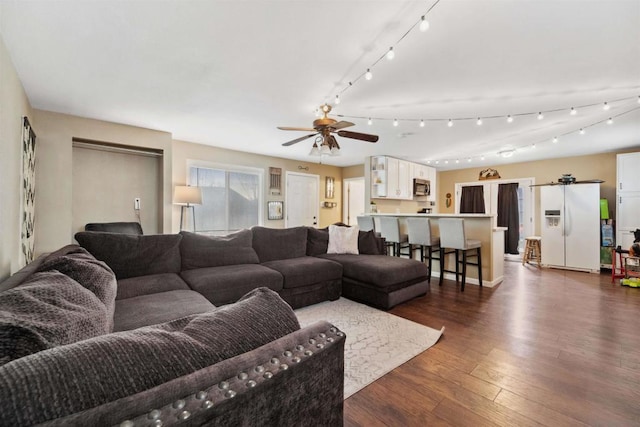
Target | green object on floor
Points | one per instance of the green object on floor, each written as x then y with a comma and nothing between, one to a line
632,282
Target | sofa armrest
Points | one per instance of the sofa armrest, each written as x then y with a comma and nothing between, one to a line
294,380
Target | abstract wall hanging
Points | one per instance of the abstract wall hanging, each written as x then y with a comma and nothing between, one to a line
28,193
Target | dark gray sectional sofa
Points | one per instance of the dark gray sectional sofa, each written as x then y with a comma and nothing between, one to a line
186,329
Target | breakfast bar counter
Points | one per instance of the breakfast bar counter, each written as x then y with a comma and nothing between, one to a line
478,227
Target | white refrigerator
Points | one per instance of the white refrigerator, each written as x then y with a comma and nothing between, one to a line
571,226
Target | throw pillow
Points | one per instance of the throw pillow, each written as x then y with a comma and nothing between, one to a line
317,241
343,240
272,244
49,309
200,251
114,366
132,256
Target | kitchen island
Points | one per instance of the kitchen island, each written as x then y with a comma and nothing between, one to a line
478,227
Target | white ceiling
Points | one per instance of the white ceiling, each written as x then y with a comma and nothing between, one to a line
226,73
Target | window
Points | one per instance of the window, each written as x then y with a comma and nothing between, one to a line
231,199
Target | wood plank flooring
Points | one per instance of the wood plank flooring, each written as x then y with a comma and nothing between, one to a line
545,347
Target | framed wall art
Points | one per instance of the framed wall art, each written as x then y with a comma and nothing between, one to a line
28,193
275,210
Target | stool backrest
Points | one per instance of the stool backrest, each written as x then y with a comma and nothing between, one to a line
419,231
390,228
452,233
365,223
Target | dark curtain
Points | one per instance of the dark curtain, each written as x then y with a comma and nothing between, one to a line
472,199
508,216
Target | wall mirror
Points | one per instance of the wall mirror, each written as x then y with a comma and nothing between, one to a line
275,210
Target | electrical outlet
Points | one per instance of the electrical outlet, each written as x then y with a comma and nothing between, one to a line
136,203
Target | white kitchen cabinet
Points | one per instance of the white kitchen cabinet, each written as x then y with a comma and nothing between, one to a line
627,198
391,178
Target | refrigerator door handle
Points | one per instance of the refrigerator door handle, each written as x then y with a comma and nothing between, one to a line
567,223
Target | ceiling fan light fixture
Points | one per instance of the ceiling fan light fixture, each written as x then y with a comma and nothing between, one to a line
324,149
315,151
335,151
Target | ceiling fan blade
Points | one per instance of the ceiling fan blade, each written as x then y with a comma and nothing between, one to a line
295,141
341,125
294,128
357,135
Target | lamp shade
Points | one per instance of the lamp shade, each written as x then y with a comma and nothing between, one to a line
184,195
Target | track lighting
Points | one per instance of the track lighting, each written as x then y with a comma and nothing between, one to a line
573,111
337,101
540,116
391,54
555,139
606,106
369,122
533,146
450,123
421,123
610,121
481,157
446,162
368,75
581,131
424,24
509,119
395,122
479,121
457,160
469,160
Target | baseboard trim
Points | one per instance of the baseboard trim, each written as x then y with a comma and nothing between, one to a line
470,280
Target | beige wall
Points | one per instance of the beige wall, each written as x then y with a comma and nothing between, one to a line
185,151
599,166
355,171
13,106
54,169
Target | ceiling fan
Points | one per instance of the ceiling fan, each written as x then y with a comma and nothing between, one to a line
323,128
567,179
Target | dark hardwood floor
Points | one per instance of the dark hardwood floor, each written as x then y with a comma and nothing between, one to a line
545,347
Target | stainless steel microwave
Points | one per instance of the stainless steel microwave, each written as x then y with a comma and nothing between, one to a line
421,187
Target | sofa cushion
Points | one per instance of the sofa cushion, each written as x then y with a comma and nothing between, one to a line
318,242
145,310
100,370
275,243
92,274
343,240
305,271
133,256
379,270
226,284
151,284
49,309
199,251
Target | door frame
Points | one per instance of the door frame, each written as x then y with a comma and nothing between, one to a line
346,197
286,196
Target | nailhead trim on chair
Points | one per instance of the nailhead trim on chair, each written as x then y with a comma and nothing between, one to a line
183,409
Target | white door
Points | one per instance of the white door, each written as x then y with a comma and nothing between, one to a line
552,209
582,226
302,204
353,200
628,172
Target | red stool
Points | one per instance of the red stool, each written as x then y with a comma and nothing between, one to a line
617,258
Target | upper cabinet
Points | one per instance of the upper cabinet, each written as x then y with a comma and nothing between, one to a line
392,178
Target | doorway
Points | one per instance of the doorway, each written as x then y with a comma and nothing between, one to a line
353,197
526,205
302,204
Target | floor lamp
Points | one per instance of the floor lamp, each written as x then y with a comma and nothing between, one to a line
187,197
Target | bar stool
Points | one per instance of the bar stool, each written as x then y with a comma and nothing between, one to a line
452,236
390,231
617,263
419,233
532,250
366,223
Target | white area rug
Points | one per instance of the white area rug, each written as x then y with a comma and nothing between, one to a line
377,342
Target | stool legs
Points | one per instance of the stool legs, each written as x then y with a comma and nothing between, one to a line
465,261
